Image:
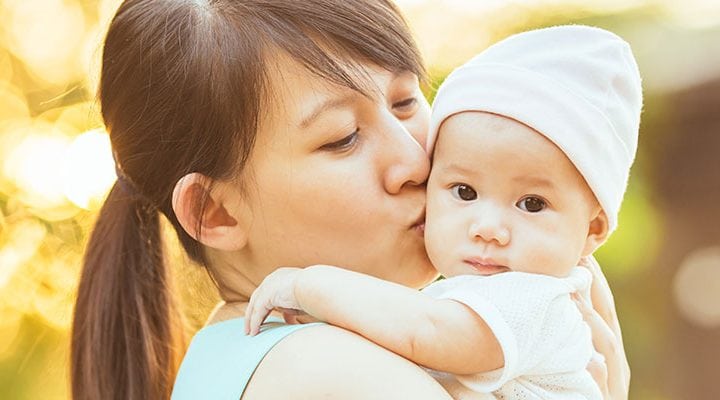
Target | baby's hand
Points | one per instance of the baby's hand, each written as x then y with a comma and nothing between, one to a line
277,290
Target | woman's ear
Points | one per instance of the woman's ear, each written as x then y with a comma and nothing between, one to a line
597,232
224,219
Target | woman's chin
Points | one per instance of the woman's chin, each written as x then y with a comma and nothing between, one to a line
423,274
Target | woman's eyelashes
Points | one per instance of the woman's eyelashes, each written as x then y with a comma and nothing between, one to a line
531,204
345,143
403,109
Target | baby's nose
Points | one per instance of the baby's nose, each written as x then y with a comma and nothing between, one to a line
489,227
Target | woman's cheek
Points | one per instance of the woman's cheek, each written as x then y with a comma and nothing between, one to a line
340,193
417,126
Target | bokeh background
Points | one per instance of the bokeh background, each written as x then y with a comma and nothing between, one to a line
663,262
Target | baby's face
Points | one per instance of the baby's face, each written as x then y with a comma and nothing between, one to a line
502,197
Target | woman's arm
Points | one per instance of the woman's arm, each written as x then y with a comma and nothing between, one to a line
329,362
440,334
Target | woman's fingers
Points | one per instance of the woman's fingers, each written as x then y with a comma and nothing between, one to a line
598,370
604,303
601,295
613,379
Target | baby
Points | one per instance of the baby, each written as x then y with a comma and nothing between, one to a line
532,143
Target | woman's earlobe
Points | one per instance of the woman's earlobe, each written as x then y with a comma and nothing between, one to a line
597,233
210,212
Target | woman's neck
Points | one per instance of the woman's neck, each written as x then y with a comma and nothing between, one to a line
225,311
232,275
235,274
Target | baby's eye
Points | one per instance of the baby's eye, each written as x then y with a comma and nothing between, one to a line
405,104
405,108
464,192
531,204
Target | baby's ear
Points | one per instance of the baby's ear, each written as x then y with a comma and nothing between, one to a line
597,232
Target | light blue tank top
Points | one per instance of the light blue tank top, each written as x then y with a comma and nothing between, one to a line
221,359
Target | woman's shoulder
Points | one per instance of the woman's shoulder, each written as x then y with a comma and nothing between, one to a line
310,360
327,361
221,358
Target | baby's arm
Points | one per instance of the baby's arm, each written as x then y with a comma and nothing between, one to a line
443,335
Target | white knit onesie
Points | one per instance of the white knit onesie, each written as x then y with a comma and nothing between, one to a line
545,342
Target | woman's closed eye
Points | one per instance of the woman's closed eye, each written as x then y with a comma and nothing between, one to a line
345,143
531,204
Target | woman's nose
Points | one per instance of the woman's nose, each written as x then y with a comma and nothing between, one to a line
488,226
407,163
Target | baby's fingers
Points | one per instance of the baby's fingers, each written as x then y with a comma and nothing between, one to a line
256,312
247,316
258,318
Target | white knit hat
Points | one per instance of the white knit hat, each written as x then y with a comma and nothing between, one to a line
579,86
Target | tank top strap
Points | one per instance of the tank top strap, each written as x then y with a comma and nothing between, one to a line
221,359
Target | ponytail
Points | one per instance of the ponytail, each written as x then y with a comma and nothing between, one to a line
127,336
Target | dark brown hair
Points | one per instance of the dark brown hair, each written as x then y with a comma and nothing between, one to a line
182,89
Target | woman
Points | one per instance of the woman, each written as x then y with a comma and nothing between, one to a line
269,133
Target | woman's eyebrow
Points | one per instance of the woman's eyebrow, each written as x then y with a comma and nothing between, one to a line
324,106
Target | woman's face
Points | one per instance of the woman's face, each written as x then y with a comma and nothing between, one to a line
338,178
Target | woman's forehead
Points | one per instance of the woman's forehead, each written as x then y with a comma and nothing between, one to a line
302,95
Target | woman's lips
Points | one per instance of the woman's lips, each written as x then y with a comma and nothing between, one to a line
419,224
486,266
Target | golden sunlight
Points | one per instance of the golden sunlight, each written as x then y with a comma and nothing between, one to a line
47,35
35,166
90,169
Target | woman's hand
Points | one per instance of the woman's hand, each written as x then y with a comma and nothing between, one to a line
613,373
277,290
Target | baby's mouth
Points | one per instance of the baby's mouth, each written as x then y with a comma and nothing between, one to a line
486,266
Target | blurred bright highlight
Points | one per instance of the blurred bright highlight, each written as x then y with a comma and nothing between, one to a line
35,166
19,245
46,35
696,287
90,169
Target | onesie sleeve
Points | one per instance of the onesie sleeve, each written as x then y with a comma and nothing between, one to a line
531,316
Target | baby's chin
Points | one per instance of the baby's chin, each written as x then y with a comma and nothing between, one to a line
554,270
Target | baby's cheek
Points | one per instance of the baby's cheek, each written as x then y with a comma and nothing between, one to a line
555,253
538,247
440,235
432,239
